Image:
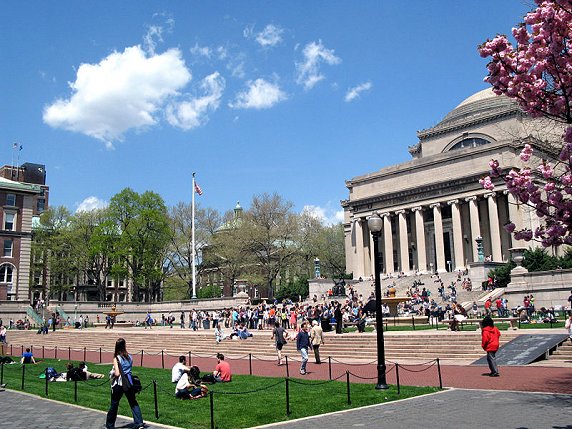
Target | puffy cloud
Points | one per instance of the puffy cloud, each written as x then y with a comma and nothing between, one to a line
354,92
308,71
326,215
123,91
270,36
260,94
90,204
193,113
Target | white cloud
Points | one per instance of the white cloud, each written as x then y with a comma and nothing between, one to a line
125,90
260,94
193,113
270,36
326,215
308,71
90,204
354,92
201,51
154,33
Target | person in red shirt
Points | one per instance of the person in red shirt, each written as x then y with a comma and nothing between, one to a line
222,370
498,304
490,343
488,304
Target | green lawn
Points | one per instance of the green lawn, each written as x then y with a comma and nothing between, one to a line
247,401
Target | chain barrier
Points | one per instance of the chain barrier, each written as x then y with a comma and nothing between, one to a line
420,370
218,392
412,364
311,383
354,364
359,376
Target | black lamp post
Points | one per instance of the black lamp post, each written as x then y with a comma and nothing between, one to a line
375,224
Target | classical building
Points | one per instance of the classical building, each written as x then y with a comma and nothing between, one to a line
24,196
433,206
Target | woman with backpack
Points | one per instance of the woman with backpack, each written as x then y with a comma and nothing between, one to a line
122,364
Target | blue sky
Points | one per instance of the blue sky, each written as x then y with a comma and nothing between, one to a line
254,96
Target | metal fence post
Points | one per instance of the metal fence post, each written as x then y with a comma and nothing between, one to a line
69,353
141,363
439,372
155,396
212,409
84,354
56,353
330,367
46,373
348,387
287,397
100,355
250,362
163,359
287,367
397,378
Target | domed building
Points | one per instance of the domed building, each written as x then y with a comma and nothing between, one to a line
433,207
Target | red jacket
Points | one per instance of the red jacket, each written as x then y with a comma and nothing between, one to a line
490,338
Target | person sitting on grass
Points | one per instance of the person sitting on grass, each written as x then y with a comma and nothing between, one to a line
222,371
179,369
190,386
27,357
89,375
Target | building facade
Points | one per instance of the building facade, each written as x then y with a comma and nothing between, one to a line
24,196
433,207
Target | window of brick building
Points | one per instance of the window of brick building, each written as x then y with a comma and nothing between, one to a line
8,248
9,219
11,200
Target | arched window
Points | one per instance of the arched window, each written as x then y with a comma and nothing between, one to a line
470,142
6,274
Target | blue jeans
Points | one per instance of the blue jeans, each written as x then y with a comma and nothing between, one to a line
116,394
304,353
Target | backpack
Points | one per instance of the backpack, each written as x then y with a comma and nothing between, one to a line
76,374
51,372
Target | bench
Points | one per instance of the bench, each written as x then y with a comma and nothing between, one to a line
117,324
512,321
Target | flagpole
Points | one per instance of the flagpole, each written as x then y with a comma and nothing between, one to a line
193,237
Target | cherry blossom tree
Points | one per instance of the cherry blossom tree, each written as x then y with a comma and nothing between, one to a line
537,72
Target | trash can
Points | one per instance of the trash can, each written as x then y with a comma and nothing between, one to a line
206,324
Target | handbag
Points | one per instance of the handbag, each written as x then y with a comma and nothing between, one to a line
133,385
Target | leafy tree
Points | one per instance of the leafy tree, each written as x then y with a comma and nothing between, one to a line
271,233
293,290
179,255
142,225
537,72
211,291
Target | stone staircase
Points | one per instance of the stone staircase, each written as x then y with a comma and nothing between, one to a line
562,355
423,346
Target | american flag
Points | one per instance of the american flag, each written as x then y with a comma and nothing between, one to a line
198,189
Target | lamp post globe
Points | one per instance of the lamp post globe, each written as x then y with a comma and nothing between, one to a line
375,224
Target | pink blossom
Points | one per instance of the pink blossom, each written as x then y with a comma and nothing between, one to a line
487,183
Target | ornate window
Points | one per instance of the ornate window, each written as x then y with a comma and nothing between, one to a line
470,142
6,274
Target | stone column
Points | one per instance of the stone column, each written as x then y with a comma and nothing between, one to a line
439,245
359,265
403,242
495,227
420,232
515,214
475,225
388,243
457,235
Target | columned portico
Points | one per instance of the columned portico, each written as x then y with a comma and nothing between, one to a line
475,225
515,215
388,243
420,231
439,244
403,243
495,227
457,235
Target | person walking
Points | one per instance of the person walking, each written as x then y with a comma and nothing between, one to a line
317,337
567,325
490,343
302,345
124,360
338,316
280,335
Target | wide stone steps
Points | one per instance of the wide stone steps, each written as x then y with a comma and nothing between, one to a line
342,347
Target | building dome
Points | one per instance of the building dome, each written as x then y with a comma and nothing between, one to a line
480,107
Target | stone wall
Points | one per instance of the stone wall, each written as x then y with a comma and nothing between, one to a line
550,288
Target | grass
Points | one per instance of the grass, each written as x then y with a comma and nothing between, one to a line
247,401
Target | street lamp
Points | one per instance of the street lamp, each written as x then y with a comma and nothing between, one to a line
375,224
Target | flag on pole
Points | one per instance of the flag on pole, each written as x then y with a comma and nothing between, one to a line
198,189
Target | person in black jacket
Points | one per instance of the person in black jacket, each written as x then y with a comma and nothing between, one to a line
338,317
302,345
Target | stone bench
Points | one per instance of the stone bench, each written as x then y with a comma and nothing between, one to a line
117,324
512,321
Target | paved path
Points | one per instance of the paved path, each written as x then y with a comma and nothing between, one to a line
457,409
22,410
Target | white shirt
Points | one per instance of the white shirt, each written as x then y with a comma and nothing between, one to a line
183,382
177,372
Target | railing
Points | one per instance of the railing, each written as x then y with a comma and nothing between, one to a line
34,316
